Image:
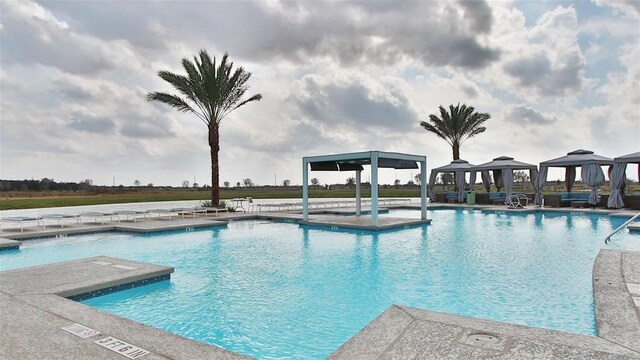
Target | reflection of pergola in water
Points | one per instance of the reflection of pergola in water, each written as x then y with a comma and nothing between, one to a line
354,162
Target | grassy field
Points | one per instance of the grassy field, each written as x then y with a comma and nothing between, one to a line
38,200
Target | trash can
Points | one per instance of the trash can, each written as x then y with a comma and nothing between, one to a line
471,198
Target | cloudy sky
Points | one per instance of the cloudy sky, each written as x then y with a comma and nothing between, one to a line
335,77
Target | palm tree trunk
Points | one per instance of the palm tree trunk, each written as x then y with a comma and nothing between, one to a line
214,144
456,151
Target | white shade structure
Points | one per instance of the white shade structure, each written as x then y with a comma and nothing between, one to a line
592,173
458,168
503,167
354,162
617,178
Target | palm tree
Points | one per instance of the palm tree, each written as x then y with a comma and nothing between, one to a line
457,125
211,93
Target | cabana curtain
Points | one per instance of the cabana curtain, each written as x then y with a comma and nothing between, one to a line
460,184
486,180
472,180
570,177
507,179
540,180
497,178
593,176
432,184
617,181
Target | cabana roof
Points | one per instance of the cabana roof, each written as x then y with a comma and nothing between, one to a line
631,158
504,162
354,161
578,158
455,165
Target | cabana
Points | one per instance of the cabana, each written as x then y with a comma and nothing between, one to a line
458,168
354,162
617,176
592,173
503,168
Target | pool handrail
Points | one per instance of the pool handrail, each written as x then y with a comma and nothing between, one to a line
608,238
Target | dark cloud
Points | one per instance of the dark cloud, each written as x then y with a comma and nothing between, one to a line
351,32
537,72
522,113
470,91
354,105
98,125
479,14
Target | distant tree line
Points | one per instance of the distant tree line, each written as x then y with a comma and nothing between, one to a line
44,185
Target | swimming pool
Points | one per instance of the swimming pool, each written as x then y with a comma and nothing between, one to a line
274,290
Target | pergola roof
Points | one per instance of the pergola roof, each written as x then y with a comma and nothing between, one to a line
578,158
455,165
354,161
504,162
631,158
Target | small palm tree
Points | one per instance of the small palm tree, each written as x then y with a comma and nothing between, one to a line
457,125
211,93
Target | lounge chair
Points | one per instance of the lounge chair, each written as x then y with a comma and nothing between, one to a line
251,206
95,215
517,201
206,210
60,218
131,213
21,220
162,212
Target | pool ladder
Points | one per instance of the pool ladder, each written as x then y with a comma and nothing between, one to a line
608,238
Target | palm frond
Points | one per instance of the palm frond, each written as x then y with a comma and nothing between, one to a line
456,124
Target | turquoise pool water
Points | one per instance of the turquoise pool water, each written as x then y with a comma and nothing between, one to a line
278,290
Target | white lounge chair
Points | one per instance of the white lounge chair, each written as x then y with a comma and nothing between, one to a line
517,201
21,220
133,214
95,215
60,218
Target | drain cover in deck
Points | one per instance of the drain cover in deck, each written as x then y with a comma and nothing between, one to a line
483,340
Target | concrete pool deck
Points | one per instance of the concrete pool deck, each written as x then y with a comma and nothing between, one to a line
34,308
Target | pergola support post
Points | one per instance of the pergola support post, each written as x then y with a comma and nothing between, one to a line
423,190
305,190
374,188
358,192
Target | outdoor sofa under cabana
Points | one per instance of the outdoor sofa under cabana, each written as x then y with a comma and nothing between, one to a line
502,168
459,168
617,177
592,175
355,162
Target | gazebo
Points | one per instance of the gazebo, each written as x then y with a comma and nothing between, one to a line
592,173
617,178
354,162
458,168
503,168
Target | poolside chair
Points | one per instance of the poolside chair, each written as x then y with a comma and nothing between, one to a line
95,215
60,218
251,206
133,214
161,212
517,201
21,220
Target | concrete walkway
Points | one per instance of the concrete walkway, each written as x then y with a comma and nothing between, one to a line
34,314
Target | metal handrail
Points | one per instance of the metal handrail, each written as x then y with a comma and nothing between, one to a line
608,238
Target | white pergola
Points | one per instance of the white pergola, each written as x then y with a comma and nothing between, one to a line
354,162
